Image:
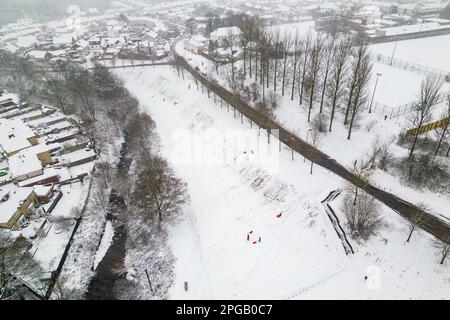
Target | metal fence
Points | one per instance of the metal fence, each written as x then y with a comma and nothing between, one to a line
394,112
410,66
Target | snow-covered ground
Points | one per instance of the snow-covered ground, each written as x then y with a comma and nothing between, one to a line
105,243
395,87
300,255
302,28
432,52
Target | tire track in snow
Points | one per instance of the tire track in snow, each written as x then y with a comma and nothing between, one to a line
198,246
303,290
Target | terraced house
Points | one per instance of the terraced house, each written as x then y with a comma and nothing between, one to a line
16,206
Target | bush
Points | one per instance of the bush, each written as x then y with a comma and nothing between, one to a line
425,171
320,122
264,109
362,218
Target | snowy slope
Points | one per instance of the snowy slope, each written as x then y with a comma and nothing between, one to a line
300,255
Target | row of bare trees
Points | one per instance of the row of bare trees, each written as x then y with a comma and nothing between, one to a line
425,164
331,72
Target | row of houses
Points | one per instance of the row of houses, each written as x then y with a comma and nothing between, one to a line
221,37
39,146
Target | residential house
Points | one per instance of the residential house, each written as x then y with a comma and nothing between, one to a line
44,193
16,206
29,162
222,34
196,44
15,136
39,55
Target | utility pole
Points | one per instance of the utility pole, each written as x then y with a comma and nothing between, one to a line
374,90
393,52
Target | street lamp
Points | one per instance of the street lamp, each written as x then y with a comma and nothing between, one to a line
307,135
374,90
393,52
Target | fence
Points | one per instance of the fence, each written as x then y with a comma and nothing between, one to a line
428,127
410,66
395,112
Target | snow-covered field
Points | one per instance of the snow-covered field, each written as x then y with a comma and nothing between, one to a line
395,87
302,28
300,255
432,52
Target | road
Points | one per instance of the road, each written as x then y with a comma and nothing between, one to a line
432,224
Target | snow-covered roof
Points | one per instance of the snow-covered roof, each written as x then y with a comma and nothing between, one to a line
63,39
83,43
14,134
26,161
77,156
224,32
9,207
9,96
406,29
199,38
56,53
37,54
42,191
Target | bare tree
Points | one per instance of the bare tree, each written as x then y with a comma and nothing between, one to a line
79,83
16,266
305,48
422,109
444,246
158,192
297,53
386,155
362,71
361,169
340,57
55,91
416,220
328,62
362,217
270,36
444,129
245,39
285,46
229,42
277,48
315,64
140,131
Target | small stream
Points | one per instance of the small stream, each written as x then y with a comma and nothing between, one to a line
112,265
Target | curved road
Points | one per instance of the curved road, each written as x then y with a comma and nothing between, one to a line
432,224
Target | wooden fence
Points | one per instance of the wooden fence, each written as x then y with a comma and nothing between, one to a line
428,127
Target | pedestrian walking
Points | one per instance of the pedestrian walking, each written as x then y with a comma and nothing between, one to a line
248,237
259,239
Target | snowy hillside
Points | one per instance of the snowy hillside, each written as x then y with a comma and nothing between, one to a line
300,255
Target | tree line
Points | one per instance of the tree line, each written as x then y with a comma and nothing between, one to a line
329,72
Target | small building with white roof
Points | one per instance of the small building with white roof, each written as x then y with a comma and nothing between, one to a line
15,136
